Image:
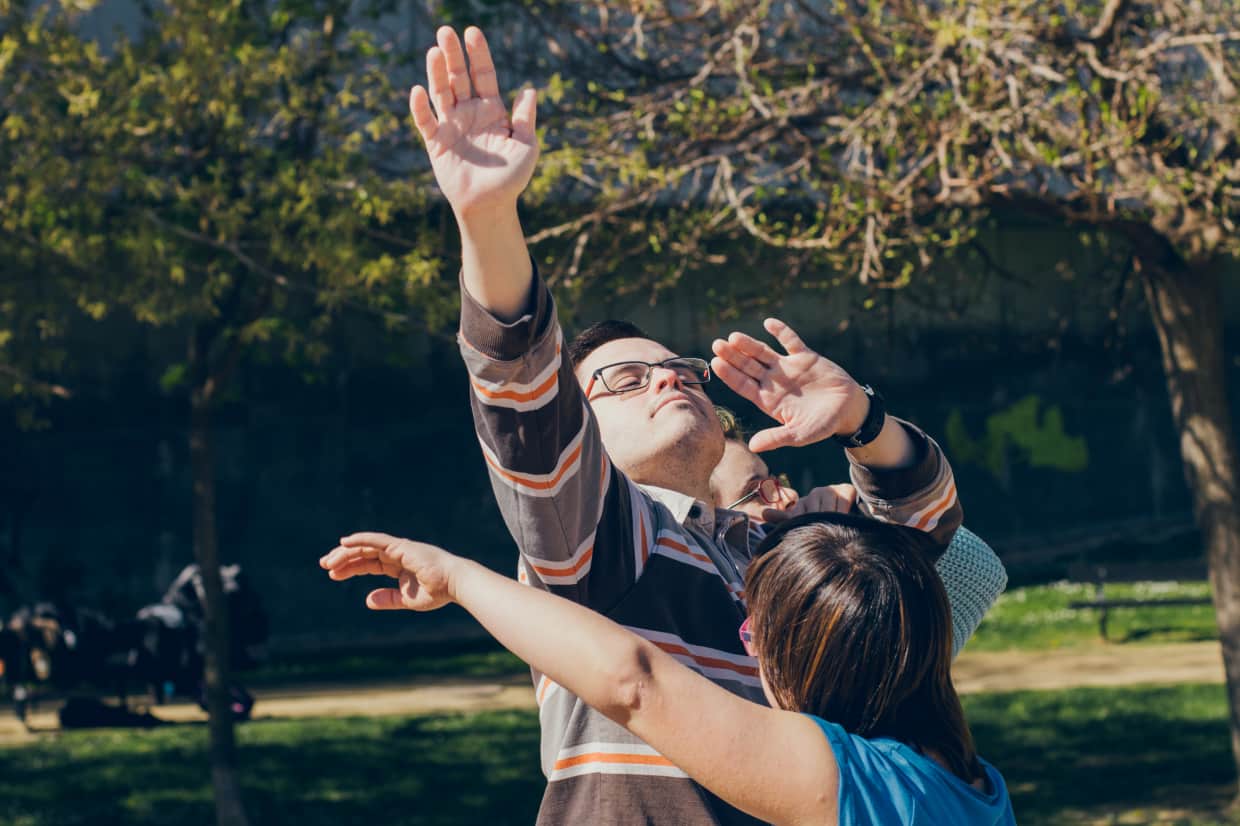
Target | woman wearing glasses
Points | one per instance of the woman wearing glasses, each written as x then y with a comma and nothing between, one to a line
742,481
971,573
851,632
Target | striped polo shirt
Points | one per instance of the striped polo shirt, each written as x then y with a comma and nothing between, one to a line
668,568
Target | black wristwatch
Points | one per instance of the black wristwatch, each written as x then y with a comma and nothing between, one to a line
873,424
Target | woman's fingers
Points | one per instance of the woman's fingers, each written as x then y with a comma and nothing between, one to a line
368,538
363,567
384,599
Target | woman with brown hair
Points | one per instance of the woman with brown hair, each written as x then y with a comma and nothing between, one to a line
851,632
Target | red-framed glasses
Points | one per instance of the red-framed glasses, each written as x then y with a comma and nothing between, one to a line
769,490
746,633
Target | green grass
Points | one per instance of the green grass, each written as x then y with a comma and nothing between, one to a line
1035,617
1115,755
433,770
1083,756
1038,617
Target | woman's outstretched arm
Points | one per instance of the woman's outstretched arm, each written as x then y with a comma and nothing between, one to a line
775,765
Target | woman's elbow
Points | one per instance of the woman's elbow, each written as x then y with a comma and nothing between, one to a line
630,682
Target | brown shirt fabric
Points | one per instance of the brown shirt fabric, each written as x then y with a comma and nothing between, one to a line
666,567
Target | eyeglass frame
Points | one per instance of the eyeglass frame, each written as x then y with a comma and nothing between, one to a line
597,375
757,491
746,634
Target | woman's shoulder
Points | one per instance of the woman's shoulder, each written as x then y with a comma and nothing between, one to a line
882,774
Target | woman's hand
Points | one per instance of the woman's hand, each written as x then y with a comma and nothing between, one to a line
841,498
424,572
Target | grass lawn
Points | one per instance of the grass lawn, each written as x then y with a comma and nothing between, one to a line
1084,756
1035,617
1038,617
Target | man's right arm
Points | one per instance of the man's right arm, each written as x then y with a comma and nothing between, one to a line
582,528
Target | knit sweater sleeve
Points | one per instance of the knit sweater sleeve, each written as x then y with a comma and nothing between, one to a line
973,577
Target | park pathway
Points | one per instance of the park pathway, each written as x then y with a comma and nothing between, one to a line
974,672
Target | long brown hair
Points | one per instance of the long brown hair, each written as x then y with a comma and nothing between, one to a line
851,623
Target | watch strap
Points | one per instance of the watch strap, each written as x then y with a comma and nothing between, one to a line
875,418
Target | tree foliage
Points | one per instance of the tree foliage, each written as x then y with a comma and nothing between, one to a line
243,167
869,136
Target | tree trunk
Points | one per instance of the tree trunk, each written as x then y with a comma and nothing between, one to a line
229,809
1186,304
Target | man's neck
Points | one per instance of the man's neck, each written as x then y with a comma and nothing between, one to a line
699,490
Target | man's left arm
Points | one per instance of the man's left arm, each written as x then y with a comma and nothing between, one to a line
899,472
901,475
907,480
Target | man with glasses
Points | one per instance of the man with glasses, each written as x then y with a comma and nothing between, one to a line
600,456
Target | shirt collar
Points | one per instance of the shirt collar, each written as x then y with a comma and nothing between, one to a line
682,506
704,516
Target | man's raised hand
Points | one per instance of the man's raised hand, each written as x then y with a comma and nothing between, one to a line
423,572
482,158
812,397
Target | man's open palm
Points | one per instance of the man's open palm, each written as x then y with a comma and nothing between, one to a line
812,397
481,156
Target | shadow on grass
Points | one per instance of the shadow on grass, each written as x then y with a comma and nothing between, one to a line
1106,752
1070,757
1168,633
438,770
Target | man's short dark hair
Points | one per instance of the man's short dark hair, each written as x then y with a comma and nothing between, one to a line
598,334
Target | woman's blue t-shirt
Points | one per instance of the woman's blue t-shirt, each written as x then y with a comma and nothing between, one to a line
886,782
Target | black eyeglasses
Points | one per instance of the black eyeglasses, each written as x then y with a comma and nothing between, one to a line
625,376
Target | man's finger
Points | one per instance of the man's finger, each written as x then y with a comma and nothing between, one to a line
454,54
437,81
423,118
773,438
785,335
741,384
525,116
738,359
481,66
384,599
758,350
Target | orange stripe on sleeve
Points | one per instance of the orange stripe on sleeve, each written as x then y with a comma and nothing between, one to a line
709,662
569,461
939,509
604,757
513,395
553,572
